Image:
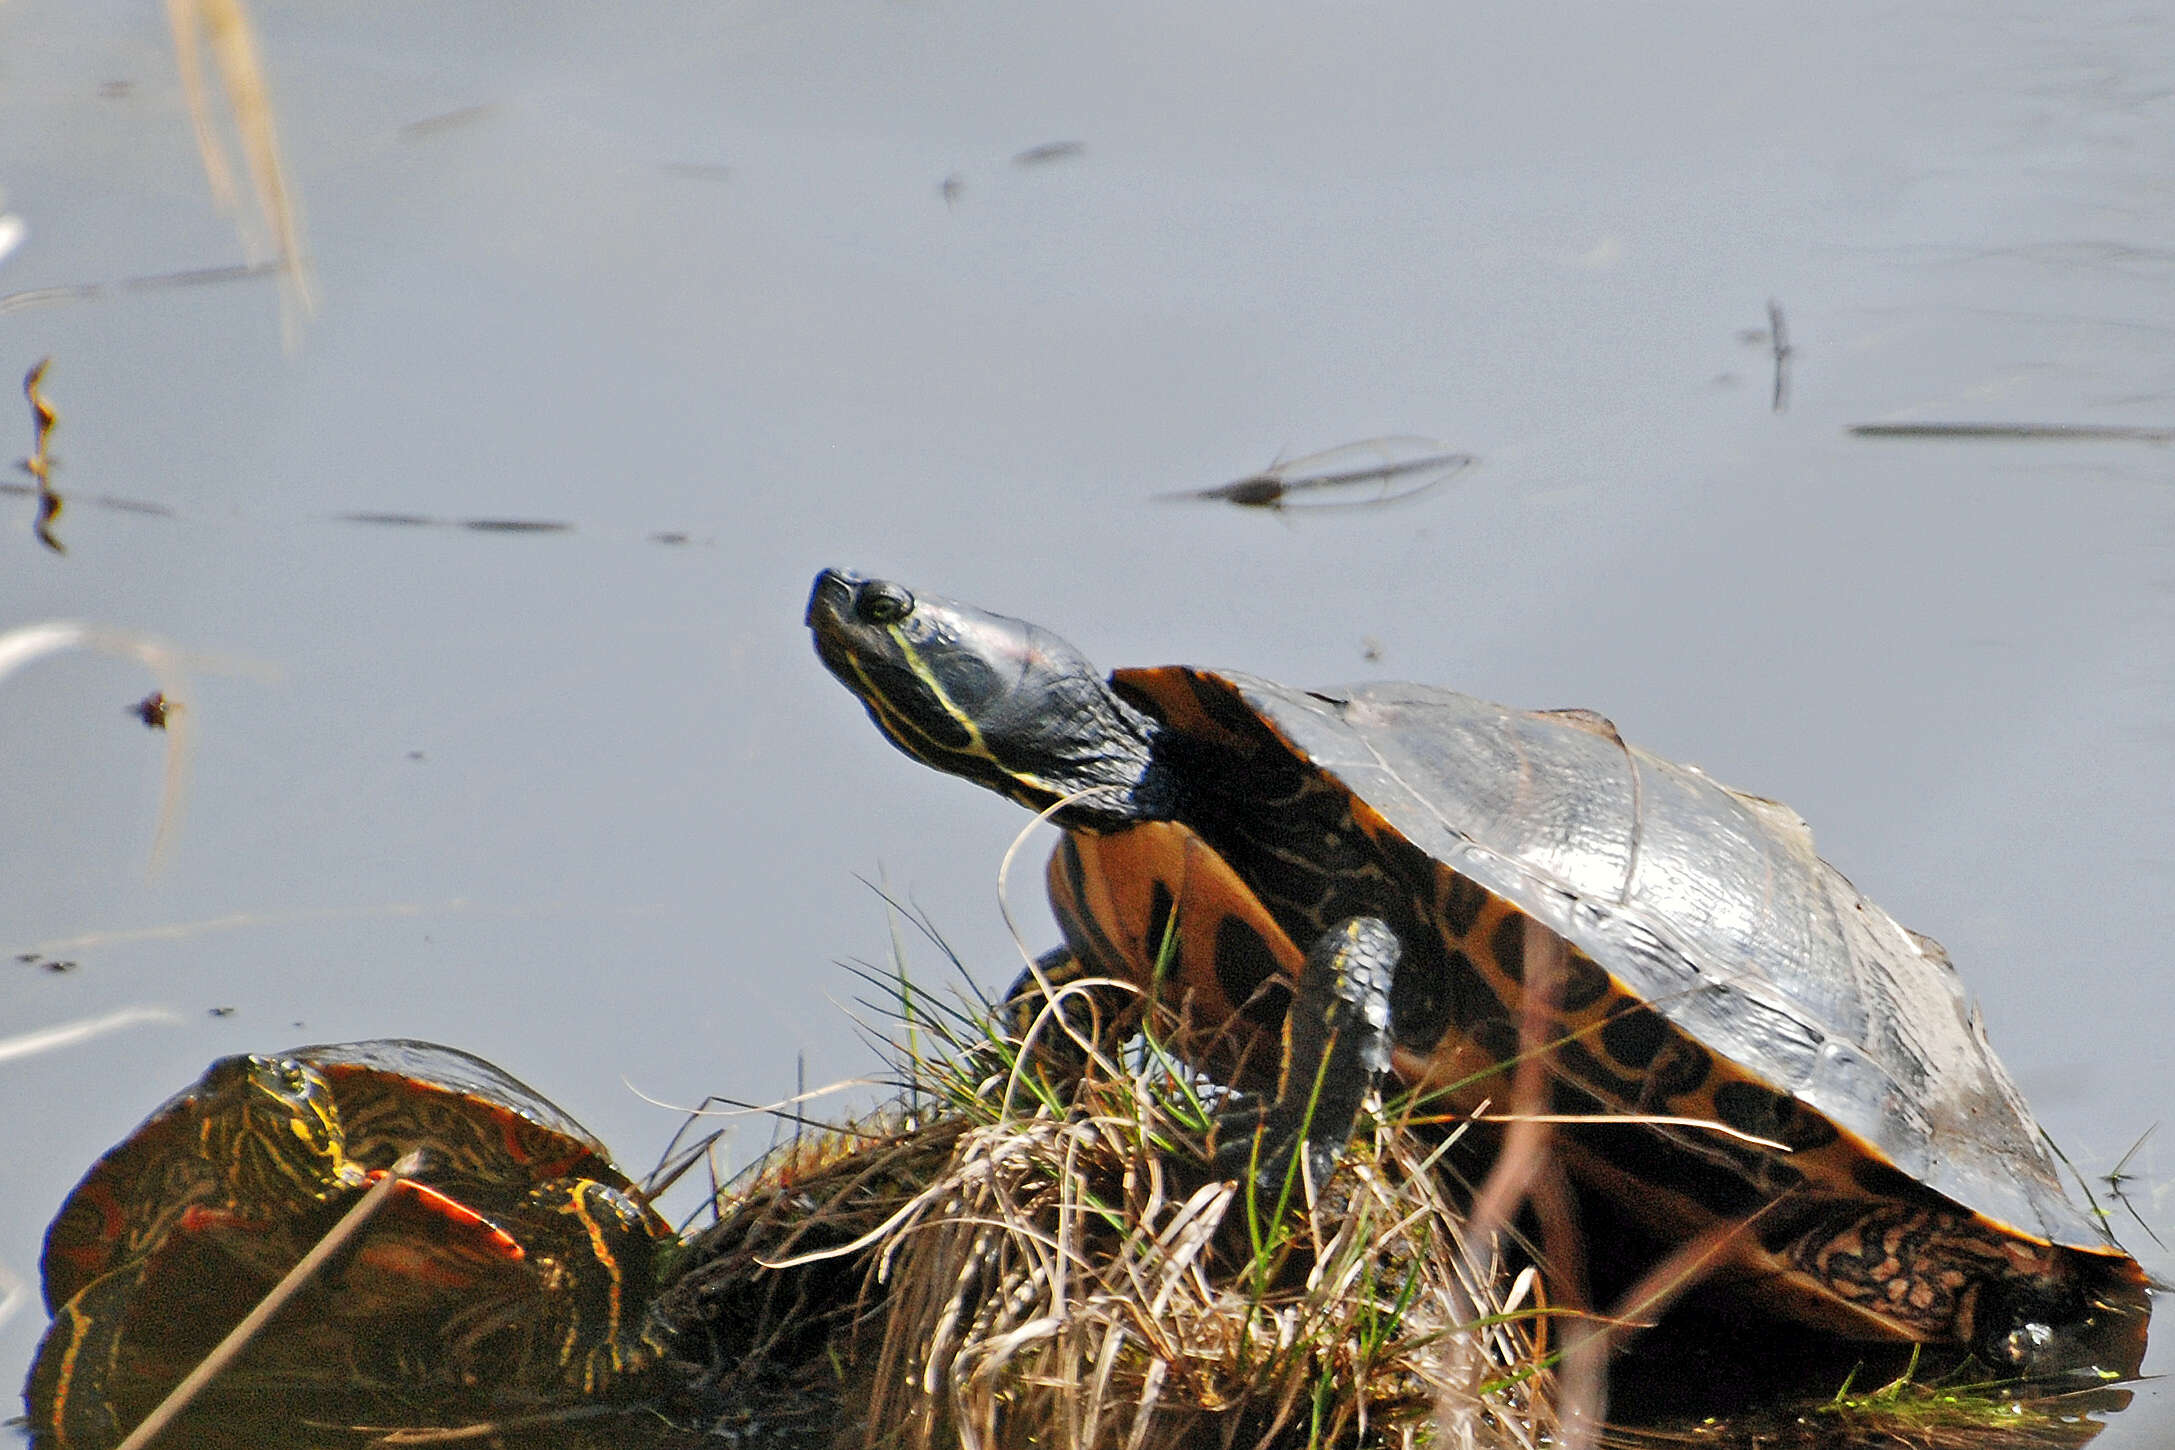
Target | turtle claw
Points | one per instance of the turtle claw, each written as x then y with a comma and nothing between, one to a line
1336,1047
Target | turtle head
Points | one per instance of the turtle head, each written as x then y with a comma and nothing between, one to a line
1000,701
2074,1323
271,1125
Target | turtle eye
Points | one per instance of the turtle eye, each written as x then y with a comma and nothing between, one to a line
882,602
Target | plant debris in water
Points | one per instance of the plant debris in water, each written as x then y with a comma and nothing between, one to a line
39,465
1401,468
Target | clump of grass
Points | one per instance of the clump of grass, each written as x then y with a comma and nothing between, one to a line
1940,1412
1980,1414
1028,1256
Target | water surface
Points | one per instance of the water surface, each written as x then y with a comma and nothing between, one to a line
947,292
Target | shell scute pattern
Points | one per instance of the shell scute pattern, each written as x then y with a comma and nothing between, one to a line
489,1130
1706,903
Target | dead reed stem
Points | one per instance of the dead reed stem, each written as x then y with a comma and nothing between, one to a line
228,1349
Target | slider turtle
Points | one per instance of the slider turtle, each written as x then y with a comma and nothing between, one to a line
516,1228
1753,1042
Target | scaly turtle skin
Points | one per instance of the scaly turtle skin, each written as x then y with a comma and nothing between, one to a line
516,1230
1336,1046
1719,971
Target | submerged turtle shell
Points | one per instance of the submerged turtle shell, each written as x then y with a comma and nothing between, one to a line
1707,904
490,1133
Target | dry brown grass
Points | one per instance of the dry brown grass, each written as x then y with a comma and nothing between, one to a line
1063,1272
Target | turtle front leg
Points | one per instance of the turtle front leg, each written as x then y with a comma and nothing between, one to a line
606,1283
1336,1047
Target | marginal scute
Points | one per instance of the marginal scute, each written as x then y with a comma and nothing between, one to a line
1461,901
1591,721
1583,983
1587,1067
1750,1108
1508,946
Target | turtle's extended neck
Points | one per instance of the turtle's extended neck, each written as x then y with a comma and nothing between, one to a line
997,700
1097,742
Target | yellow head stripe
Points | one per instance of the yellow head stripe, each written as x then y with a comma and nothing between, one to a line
909,735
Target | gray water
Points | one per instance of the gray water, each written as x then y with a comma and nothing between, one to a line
585,803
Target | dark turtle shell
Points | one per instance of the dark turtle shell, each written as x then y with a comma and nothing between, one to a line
486,1130
1720,970
491,1139
1705,903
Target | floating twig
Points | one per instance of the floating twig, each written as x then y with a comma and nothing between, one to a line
1778,337
102,500
90,291
385,519
2118,1175
382,518
515,526
1049,151
2028,432
446,121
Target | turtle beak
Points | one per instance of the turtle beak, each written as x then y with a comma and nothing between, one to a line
831,601
830,619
